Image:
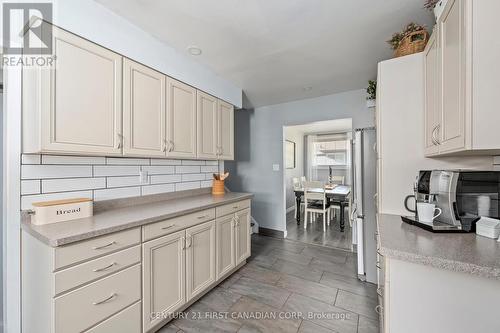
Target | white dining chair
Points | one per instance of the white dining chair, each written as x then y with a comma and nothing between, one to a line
315,202
297,185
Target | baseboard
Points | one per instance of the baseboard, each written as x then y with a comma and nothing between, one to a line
271,233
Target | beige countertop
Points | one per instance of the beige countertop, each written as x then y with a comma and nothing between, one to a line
117,219
460,252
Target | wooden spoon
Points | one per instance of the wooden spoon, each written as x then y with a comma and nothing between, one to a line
216,176
225,175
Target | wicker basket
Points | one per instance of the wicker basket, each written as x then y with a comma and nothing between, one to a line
218,187
413,43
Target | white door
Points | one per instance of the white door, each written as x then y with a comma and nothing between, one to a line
181,120
208,127
452,44
432,105
200,258
226,131
242,233
143,110
226,249
81,99
163,277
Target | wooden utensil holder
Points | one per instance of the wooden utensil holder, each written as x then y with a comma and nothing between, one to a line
218,187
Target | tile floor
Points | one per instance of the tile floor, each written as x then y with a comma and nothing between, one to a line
314,233
287,278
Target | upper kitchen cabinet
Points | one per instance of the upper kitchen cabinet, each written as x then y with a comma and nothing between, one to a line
74,107
225,115
144,110
432,114
181,120
207,126
465,91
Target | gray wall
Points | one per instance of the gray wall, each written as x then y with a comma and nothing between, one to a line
259,145
298,171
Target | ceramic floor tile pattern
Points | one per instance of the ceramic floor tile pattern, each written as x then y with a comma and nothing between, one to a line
282,277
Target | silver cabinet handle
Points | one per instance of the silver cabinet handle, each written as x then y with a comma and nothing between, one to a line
120,140
202,217
107,299
183,243
164,149
189,243
171,145
104,246
438,130
97,270
378,309
168,227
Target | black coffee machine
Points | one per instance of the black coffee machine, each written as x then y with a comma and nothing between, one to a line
462,195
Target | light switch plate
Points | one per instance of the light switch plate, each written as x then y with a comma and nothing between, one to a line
276,167
143,177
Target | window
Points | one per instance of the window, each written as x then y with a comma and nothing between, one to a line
329,153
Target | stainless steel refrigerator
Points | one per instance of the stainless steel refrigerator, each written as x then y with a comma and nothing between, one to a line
363,214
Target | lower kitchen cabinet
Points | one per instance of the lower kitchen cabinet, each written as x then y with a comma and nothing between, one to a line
226,249
242,233
200,258
164,282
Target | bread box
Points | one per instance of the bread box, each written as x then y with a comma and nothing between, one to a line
61,210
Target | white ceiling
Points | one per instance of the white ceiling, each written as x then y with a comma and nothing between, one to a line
272,49
326,126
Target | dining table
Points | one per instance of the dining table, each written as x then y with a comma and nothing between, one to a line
339,194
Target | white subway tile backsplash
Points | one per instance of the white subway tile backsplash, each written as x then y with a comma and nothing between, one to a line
72,184
117,193
163,179
160,188
55,159
206,183
156,161
30,159
123,181
159,169
53,177
30,187
189,177
27,200
116,170
192,162
55,171
187,169
210,168
187,186
127,161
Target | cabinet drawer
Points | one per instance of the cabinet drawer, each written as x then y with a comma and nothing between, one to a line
126,321
84,307
169,226
88,271
232,208
95,247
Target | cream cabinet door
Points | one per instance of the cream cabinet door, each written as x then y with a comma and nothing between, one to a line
207,134
163,277
242,235
200,258
432,105
79,101
143,110
453,61
226,131
226,249
181,120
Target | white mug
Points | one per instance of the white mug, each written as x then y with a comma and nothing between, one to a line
426,212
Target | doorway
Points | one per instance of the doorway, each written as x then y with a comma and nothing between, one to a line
320,152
